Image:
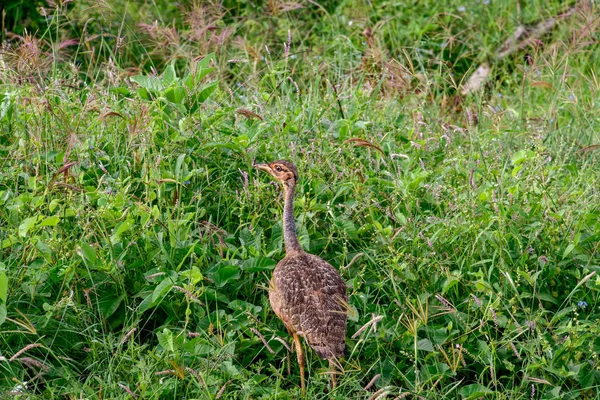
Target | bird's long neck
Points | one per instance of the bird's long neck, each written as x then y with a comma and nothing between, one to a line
290,237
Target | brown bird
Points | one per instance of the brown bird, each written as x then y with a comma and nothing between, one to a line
306,292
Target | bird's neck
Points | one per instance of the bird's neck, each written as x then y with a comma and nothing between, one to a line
290,237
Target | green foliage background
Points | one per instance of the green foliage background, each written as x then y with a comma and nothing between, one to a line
137,241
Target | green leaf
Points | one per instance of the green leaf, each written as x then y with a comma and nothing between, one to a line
44,250
450,283
229,369
352,313
27,225
178,165
169,75
120,90
120,229
418,179
568,250
257,264
241,140
206,92
347,226
3,287
193,275
144,94
88,253
474,391
50,221
521,156
151,83
425,345
166,340
202,64
203,72
202,69
162,289
516,170
109,303
146,303
225,274
561,313
241,305
9,242
3,313
191,80
175,94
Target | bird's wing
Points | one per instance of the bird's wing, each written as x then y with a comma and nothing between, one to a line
313,298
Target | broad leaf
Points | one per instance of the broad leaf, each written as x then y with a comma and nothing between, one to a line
169,76
3,287
88,253
474,391
225,274
425,344
50,221
27,225
257,264
166,340
151,83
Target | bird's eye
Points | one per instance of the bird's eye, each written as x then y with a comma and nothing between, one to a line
278,168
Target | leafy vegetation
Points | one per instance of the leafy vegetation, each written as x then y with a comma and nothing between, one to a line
136,240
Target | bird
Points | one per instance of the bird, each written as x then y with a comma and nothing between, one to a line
306,292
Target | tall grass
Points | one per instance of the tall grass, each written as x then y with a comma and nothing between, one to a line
136,241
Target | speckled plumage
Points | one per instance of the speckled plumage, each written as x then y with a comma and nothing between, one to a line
306,292
309,296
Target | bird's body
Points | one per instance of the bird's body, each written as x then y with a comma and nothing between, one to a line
306,292
309,296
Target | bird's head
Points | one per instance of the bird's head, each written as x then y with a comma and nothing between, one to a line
282,170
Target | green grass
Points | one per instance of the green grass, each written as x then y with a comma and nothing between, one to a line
137,241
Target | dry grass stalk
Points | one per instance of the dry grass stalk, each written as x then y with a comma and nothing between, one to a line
365,326
24,349
127,336
126,388
538,380
588,148
277,7
380,394
197,375
356,257
155,275
284,343
32,362
363,143
372,382
248,114
222,390
262,338
26,58
188,294
243,44
166,372
449,306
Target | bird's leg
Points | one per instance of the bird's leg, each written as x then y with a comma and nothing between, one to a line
300,355
333,372
289,356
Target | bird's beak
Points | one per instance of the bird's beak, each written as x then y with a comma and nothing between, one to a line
264,167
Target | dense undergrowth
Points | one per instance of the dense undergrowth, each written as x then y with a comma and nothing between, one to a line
136,240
